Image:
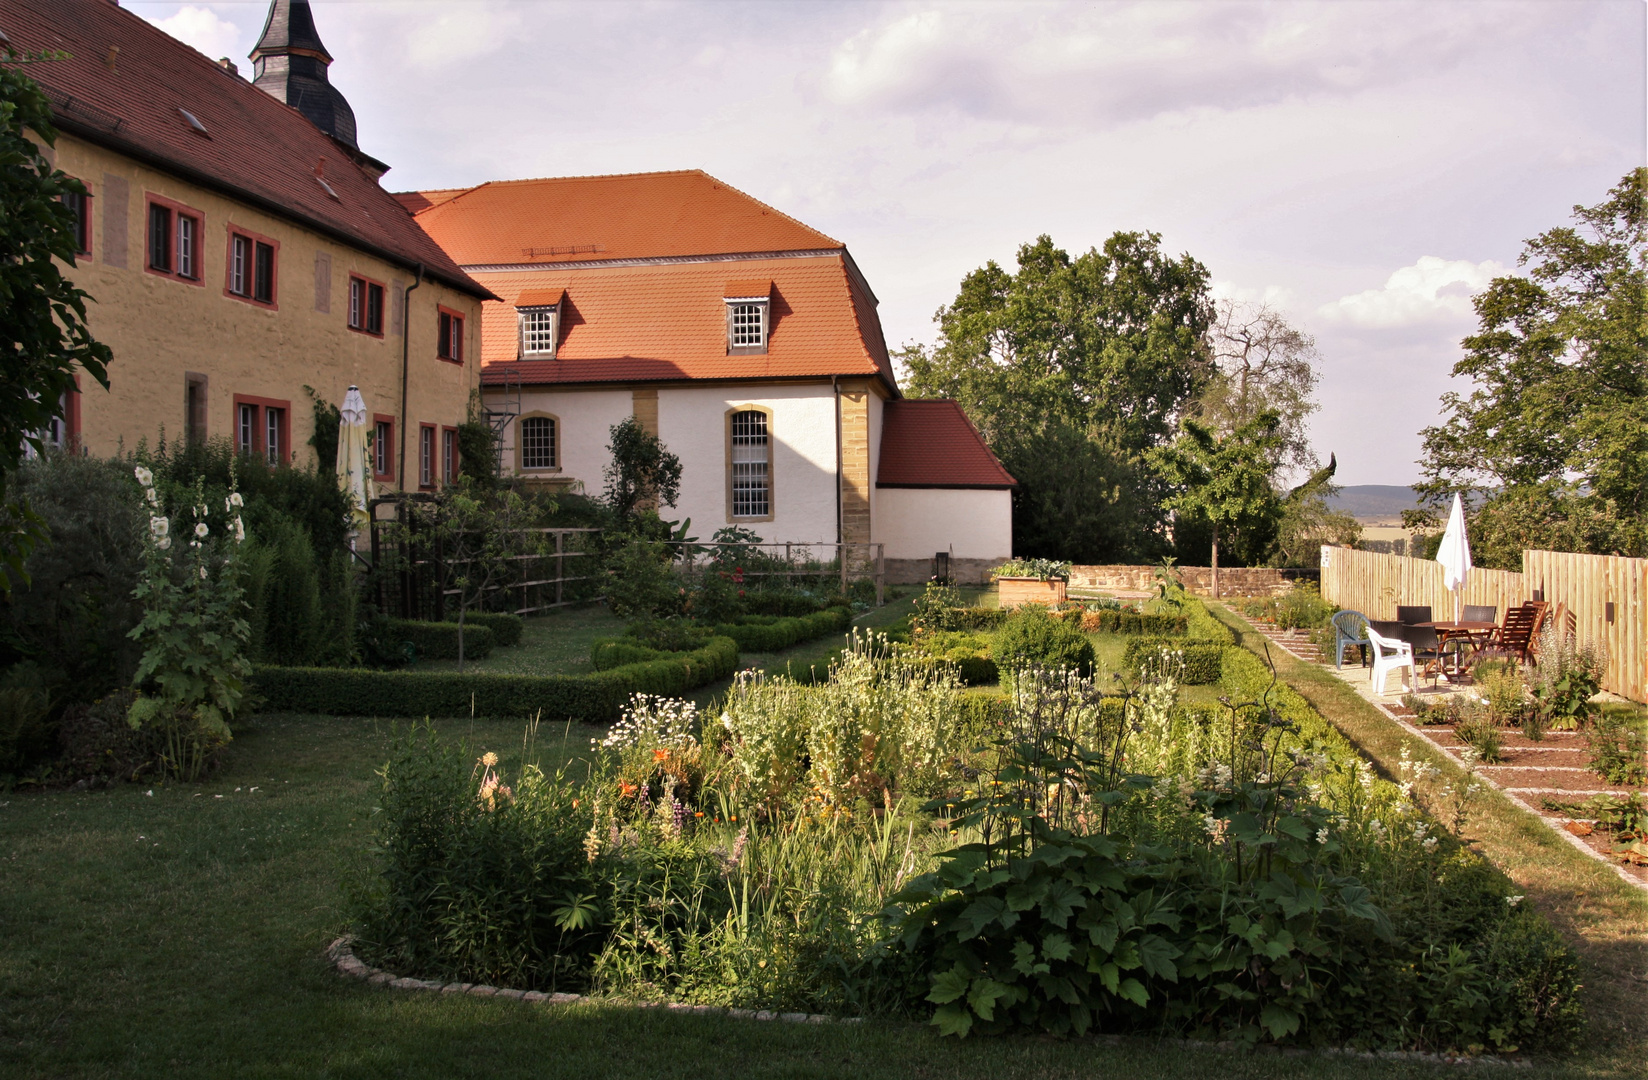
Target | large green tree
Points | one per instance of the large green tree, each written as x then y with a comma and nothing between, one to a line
1224,483
1074,369
43,332
1555,428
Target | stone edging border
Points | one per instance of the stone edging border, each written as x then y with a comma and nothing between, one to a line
342,955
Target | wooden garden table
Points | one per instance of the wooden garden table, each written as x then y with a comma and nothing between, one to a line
1462,631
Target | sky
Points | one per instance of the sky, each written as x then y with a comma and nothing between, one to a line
1363,167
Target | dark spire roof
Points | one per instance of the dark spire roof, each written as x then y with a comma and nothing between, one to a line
289,64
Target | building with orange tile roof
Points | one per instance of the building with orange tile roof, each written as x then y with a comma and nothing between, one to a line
239,249
746,340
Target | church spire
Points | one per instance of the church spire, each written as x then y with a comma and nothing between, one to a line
289,63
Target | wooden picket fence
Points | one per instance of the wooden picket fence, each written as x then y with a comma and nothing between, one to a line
1607,597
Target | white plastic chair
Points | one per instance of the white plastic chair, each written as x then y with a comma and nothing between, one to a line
1390,654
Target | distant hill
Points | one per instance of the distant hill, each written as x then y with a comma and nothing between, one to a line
1375,502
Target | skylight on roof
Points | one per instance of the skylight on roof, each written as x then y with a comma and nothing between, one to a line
194,122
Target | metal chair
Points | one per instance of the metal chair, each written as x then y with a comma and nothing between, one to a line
1480,613
1408,616
1390,654
1349,631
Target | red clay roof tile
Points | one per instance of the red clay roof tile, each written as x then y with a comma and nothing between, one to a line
668,322
257,149
932,444
580,218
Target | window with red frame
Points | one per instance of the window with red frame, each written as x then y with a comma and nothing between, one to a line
261,427
449,455
383,449
174,241
366,306
251,268
450,345
80,205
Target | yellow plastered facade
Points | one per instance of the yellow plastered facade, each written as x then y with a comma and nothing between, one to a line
162,330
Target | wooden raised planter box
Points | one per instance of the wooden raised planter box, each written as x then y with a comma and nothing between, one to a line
1014,591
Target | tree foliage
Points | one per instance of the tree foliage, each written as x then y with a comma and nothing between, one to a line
1262,363
1556,423
43,331
1224,483
642,473
1073,370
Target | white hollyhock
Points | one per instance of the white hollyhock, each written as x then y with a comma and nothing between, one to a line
144,476
159,527
201,530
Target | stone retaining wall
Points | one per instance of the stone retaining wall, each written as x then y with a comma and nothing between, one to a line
1233,580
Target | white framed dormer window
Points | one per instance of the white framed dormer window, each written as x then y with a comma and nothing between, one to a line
538,317
747,319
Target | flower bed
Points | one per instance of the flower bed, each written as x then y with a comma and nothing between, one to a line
1054,859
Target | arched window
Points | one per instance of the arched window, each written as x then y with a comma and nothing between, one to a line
538,443
750,464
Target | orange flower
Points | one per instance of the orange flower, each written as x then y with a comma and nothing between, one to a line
625,788
660,755
699,814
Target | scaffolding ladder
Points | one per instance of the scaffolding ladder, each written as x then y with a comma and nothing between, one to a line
499,411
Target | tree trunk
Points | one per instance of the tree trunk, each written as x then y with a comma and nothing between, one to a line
1215,562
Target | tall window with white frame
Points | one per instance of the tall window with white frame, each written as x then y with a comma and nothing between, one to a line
383,463
538,442
245,428
449,455
426,456
274,426
751,465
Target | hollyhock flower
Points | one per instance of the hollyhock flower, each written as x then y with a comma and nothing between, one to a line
201,530
240,531
159,527
144,476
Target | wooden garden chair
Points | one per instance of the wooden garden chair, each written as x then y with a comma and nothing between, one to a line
1516,636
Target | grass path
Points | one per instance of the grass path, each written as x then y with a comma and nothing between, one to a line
1606,919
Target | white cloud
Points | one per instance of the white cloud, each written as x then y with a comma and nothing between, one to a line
205,31
1276,296
1431,290
460,35
1047,64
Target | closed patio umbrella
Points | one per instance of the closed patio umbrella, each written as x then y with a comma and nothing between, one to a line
1455,553
353,467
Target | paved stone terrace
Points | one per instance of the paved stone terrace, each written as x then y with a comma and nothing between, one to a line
1543,777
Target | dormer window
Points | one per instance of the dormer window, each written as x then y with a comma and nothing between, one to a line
539,317
747,317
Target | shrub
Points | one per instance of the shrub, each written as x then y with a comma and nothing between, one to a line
781,634
768,600
608,653
286,609
100,746
477,880
596,698
75,615
25,733
1203,660
506,627
641,582
1619,746
1032,637
1566,677
669,635
977,618
936,607
439,640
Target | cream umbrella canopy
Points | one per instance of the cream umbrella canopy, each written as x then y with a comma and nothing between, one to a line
1455,553
353,468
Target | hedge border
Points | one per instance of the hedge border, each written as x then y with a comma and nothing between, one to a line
597,698
788,632
439,640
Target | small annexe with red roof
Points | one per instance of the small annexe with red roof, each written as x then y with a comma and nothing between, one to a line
747,341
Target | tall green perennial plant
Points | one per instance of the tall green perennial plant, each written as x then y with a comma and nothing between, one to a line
192,677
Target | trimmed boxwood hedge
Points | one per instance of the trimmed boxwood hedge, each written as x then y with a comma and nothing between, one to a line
609,653
596,698
1203,660
776,635
976,618
506,627
439,640
1132,622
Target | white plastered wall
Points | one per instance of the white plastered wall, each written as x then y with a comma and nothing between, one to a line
692,422
586,419
971,524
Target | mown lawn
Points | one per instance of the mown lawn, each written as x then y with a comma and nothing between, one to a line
180,934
